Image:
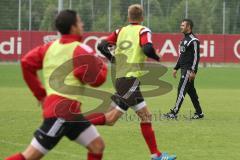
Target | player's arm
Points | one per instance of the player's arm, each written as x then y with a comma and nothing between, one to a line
177,65
104,44
30,64
196,51
88,68
196,57
146,44
103,48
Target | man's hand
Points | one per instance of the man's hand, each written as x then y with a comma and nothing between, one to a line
192,76
175,73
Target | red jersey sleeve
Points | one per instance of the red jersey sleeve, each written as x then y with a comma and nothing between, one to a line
88,68
145,36
31,63
112,38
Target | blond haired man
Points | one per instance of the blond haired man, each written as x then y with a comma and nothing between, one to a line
133,45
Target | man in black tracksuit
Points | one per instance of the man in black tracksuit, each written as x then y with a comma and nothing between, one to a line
188,63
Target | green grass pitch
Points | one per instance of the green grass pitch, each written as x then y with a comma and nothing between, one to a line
217,137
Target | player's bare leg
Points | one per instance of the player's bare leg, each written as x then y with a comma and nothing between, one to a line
108,118
112,116
31,153
144,114
149,135
147,131
95,149
96,146
91,139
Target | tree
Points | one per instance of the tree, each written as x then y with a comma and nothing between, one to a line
165,15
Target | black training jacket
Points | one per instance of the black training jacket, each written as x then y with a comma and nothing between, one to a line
189,53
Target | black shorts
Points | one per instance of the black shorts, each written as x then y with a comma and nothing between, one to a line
53,129
128,93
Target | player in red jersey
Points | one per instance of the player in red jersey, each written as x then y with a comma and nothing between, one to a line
58,107
133,42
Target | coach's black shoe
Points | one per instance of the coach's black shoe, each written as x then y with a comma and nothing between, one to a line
197,116
170,115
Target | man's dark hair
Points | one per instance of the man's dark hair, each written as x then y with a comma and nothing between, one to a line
189,22
64,20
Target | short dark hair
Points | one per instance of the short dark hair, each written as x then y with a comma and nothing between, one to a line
189,22
64,20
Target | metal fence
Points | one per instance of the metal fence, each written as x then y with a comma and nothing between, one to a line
209,16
